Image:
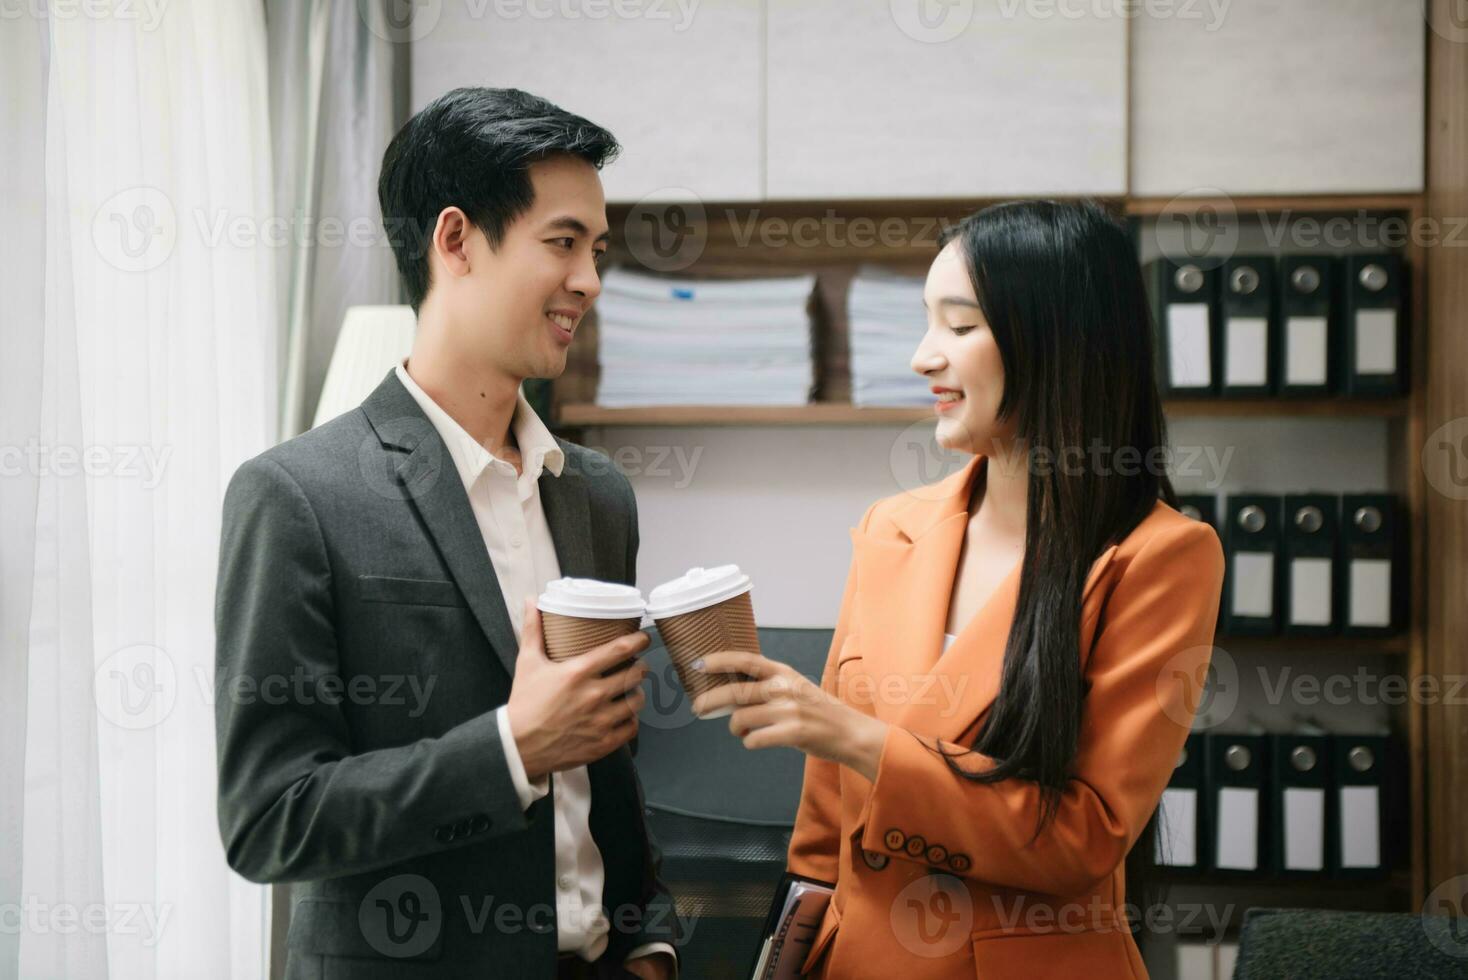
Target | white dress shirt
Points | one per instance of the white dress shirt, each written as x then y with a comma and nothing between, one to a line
507,508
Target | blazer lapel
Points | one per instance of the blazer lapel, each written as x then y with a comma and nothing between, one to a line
906,577
426,477
568,513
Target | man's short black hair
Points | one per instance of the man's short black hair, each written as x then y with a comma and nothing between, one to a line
472,148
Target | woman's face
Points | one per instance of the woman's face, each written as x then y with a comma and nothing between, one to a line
959,358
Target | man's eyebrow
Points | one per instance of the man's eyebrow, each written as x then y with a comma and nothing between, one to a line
567,223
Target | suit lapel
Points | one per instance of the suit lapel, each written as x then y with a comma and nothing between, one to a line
426,476
568,513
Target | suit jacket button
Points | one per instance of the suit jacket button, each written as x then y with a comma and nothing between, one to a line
894,839
461,829
874,860
480,823
916,846
960,863
937,854
443,834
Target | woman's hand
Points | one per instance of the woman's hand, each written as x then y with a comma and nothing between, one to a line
780,706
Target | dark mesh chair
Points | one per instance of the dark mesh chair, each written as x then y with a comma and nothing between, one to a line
721,813
1276,944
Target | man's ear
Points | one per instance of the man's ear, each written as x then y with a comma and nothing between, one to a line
451,240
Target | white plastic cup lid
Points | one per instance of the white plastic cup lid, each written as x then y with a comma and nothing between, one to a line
588,598
698,588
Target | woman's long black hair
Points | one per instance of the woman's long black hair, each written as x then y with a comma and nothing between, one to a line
1062,290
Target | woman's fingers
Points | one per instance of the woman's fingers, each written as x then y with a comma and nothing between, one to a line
745,720
748,692
780,734
737,662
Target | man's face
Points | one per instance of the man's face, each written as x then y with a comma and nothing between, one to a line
515,308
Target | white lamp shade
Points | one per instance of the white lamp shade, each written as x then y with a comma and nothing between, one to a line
373,339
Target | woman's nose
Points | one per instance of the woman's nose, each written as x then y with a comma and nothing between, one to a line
925,361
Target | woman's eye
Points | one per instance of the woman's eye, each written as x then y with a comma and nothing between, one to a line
960,331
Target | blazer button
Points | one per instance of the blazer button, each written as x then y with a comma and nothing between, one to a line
916,846
894,839
960,863
461,829
937,854
480,823
874,860
443,834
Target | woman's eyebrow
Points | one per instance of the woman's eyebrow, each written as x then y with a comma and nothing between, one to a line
954,301
568,223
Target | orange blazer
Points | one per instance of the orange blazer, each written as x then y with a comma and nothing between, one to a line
937,876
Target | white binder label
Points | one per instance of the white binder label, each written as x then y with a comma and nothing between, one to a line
1253,583
1360,827
1371,591
1189,360
1178,843
1305,350
1376,342
1238,827
1310,591
1304,827
1247,358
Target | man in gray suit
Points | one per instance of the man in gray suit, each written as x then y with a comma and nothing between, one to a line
391,735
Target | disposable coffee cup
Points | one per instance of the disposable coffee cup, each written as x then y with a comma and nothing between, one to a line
580,614
702,611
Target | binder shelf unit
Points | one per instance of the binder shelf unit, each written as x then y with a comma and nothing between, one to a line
834,240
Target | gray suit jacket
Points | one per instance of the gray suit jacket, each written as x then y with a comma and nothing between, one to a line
362,644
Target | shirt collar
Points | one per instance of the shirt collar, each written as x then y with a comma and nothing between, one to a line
538,448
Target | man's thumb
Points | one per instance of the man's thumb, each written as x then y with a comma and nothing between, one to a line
531,637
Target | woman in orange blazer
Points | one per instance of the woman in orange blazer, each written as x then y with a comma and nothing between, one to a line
1020,647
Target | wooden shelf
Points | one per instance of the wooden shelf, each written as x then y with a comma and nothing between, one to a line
836,413
1284,645
1273,204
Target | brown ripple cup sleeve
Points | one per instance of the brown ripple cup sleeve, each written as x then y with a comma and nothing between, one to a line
725,623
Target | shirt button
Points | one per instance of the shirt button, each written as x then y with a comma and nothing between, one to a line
565,882
516,542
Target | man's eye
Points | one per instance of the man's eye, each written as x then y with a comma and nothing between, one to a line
599,256
564,242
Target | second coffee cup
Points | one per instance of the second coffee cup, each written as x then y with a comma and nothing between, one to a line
703,611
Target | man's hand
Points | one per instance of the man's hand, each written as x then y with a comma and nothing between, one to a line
566,714
655,966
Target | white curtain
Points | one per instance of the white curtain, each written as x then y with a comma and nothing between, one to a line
338,93
138,368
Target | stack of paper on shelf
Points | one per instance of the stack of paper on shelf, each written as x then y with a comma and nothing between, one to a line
704,342
885,324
